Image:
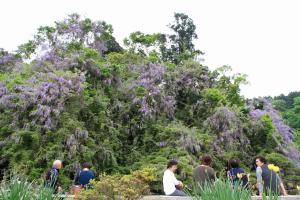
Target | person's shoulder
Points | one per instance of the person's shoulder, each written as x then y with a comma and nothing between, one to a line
241,170
169,172
54,170
258,169
201,167
210,168
91,172
196,169
212,171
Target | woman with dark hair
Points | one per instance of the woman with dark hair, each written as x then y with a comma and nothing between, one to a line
236,174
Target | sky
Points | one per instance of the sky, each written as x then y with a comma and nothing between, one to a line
260,38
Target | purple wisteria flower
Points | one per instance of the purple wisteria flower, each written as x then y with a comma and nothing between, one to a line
153,99
262,107
228,128
43,96
284,130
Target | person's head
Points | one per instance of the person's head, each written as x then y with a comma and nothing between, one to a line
206,160
233,163
172,165
57,164
260,161
86,165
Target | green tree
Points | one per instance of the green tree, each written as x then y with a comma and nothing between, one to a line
181,42
279,105
146,44
230,85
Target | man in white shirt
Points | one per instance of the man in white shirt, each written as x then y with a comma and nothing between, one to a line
170,182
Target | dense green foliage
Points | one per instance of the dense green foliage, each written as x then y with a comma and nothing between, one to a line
82,97
289,106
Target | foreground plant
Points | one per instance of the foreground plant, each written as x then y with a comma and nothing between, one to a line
21,189
219,190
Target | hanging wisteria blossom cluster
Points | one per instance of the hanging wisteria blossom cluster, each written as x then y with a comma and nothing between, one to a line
42,97
9,61
229,129
148,91
281,127
70,44
75,142
262,107
72,32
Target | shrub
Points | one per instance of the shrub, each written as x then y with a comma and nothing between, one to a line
127,187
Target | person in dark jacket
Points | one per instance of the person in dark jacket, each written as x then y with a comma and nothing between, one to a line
267,180
236,174
52,176
85,175
204,173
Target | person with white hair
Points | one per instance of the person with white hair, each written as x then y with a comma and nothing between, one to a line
52,175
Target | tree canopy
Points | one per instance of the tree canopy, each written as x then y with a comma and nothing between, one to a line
73,93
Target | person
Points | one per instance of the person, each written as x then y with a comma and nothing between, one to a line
82,179
52,176
85,175
236,174
204,173
170,183
267,180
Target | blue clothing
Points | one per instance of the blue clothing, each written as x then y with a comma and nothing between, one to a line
233,172
178,193
84,177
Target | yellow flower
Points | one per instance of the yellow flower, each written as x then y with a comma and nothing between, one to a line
248,176
276,169
240,176
271,167
298,187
